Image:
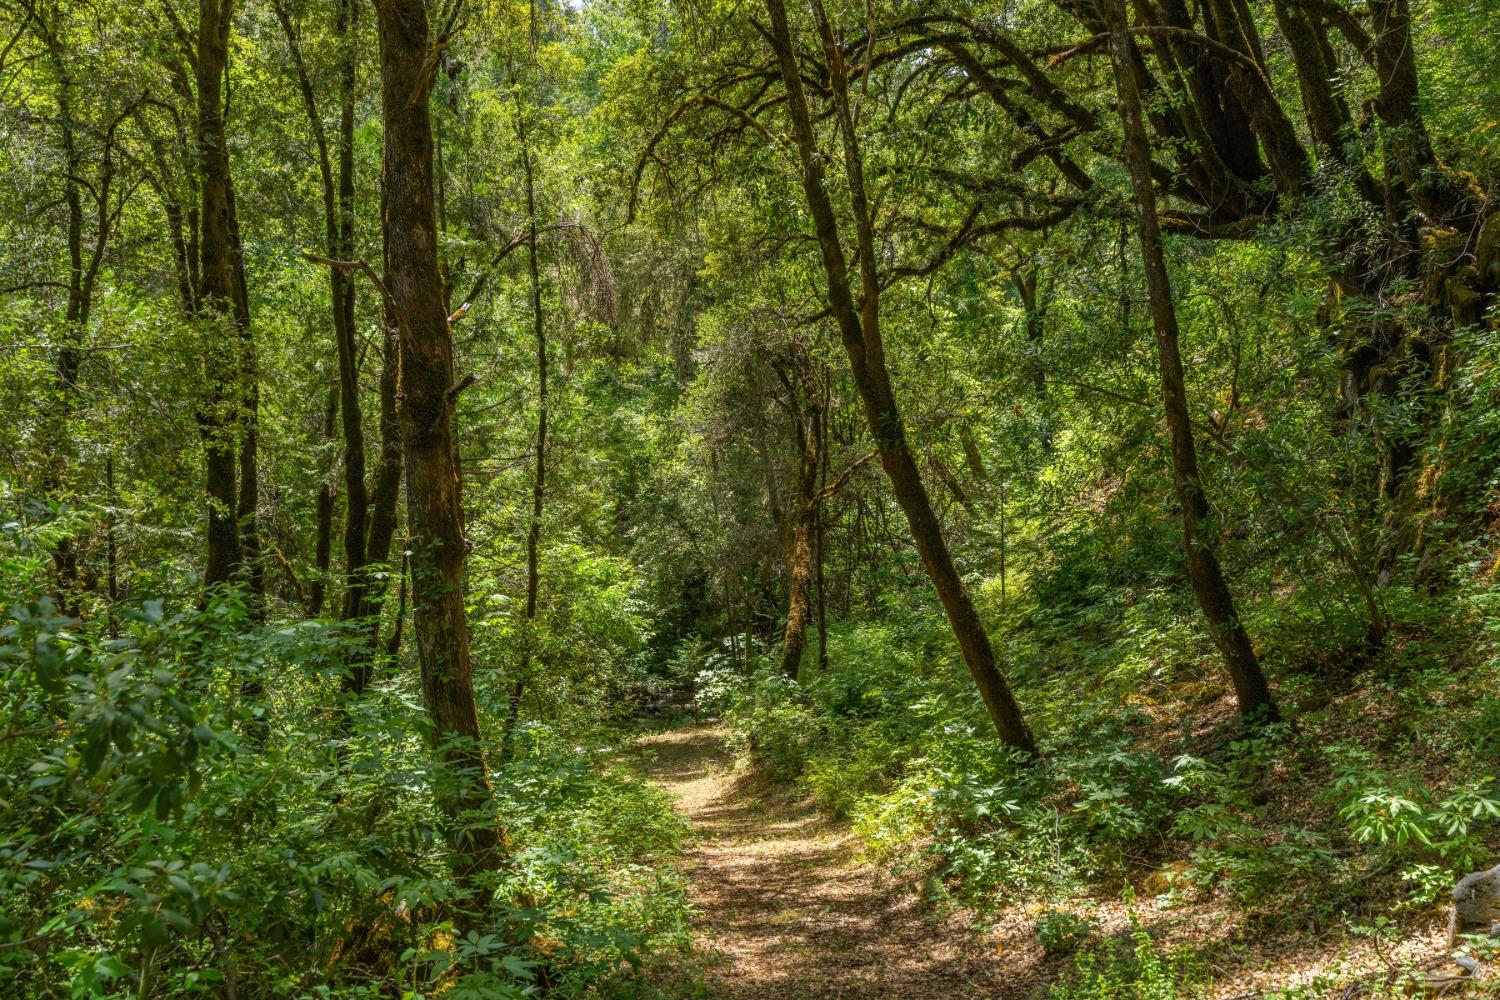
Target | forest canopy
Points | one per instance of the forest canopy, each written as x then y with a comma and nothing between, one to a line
1052,444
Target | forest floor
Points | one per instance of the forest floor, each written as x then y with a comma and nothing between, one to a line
786,908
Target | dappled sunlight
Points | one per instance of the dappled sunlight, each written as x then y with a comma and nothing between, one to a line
787,907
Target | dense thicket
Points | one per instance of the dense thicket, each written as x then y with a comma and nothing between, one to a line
1059,435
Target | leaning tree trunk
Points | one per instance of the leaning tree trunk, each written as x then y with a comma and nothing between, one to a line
860,331
434,509
1209,588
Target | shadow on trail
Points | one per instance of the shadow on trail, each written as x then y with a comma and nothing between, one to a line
786,908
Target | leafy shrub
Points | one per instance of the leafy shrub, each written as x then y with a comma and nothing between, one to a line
770,725
1412,820
1130,970
1122,797
1061,932
150,803
861,764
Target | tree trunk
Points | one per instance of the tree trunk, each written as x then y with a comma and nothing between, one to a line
821,541
247,507
340,227
1230,23
60,445
216,295
1209,588
111,545
539,480
1436,191
393,641
385,492
323,542
1025,280
859,328
1328,118
804,532
370,505
434,507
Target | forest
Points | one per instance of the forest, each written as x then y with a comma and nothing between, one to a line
749,499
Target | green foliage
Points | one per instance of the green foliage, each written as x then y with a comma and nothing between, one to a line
1436,833
191,804
1061,932
768,721
1235,845
159,835
1136,968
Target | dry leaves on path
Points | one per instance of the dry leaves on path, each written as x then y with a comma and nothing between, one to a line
788,911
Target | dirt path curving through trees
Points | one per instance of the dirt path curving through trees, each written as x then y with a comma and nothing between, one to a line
787,911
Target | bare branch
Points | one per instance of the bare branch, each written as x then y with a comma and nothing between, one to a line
360,265
844,477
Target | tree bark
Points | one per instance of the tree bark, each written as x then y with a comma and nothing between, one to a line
1328,118
1230,23
247,506
539,479
340,226
111,546
370,504
804,532
323,541
1435,190
216,295
385,492
1209,587
821,538
434,505
1025,280
59,446
860,331
385,481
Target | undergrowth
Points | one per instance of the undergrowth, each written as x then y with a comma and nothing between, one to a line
160,840
1372,795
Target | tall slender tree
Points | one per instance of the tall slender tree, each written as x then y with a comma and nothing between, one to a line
435,515
539,441
93,203
801,572
217,292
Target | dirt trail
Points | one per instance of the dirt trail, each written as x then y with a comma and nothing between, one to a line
786,908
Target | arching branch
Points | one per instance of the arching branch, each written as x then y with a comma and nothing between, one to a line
696,101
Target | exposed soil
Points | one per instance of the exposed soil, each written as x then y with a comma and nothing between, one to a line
788,910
